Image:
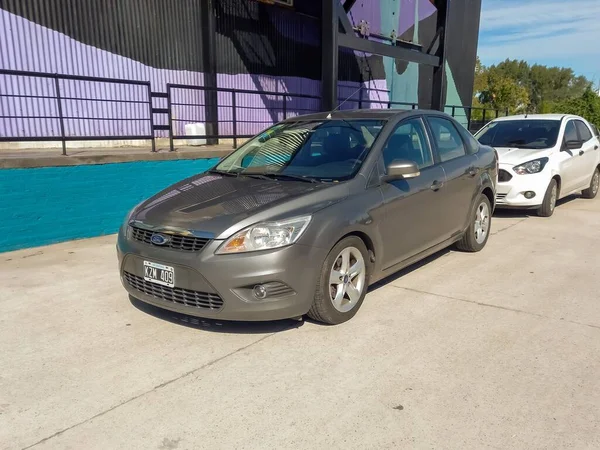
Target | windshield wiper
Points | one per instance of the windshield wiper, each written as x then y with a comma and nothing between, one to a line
259,176
291,177
227,174
522,146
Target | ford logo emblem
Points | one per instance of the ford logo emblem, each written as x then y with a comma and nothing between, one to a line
159,239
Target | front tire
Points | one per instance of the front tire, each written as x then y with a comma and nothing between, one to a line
478,232
549,204
343,282
592,191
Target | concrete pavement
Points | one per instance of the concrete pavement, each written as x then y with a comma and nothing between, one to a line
499,349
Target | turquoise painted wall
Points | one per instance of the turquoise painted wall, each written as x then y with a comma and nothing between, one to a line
403,87
52,204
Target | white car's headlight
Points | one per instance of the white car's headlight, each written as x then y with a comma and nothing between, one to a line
266,235
535,166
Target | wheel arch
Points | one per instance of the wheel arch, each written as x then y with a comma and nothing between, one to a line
489,193
558,181
371,248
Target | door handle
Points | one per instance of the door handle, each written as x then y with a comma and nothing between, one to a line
581,152
436,186
472,172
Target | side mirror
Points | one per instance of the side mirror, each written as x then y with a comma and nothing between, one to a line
401,169
573,145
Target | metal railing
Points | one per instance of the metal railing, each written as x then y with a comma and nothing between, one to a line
62,108
240,113
475,116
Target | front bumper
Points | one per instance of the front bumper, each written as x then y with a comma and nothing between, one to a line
512,193
230,277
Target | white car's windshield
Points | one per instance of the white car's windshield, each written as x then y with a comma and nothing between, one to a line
318,150
532,134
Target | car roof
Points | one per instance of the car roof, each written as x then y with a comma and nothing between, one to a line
377,114
537,117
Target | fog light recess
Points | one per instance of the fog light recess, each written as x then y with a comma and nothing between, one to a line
529,194
271,289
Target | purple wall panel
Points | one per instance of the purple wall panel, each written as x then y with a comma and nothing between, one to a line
112,109
371,11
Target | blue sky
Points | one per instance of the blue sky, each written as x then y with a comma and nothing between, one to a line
562,33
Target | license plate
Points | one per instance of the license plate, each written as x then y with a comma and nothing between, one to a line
159,274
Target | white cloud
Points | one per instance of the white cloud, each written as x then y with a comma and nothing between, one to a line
537,30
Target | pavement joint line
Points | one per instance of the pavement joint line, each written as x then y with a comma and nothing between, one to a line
489,305
509,227
155,388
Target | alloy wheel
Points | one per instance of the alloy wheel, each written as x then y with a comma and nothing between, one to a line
482,222
347,279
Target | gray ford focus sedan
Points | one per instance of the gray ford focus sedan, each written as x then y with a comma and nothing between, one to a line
305,216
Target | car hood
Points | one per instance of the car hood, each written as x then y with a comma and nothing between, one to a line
218,206
514,156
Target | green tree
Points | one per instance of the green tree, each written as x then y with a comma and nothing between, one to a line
504,93
518,86
586,105
480,83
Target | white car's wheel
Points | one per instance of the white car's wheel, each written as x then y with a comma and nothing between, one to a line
592,191
547,208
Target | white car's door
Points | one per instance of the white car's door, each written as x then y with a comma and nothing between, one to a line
591,153
570,165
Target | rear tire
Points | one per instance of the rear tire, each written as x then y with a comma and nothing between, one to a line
480,224
592,191
549,204
343,283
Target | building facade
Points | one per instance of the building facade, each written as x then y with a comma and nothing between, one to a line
258,47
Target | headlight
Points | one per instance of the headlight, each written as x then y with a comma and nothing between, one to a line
266,235
535,166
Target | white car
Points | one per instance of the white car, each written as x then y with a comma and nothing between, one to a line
543,158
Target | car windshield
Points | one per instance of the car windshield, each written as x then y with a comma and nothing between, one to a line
534,134
318,150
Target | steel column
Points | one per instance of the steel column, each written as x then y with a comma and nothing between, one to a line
209,60
438,88
329,55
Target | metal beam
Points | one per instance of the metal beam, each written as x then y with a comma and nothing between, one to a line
344,21
348,4
438,88
379,48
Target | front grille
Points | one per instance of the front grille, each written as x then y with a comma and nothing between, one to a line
500,198
177,241
187,297
504,176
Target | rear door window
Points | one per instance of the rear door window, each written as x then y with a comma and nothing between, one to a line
571,132
584,131
470,141
447,139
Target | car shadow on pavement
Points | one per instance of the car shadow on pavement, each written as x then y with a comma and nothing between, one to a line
513,213
524,213
409,269
213,325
